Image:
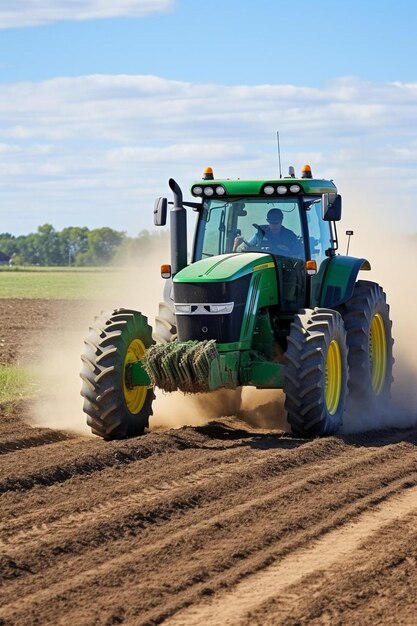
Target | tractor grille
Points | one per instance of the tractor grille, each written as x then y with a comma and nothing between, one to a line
223,327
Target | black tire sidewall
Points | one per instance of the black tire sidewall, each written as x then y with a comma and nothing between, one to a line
103,374
305,370
371,297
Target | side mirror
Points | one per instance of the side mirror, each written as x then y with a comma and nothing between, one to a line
240,209
331,207
160,212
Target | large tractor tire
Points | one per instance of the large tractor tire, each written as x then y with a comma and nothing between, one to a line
369,339
316,373
165,324
114,409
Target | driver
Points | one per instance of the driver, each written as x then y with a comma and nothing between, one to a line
273,236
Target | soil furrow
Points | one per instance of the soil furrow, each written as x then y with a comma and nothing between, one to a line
360,589
197,583
229,476
235,606
121,474
75,457
372,583
33,440
152,464
236,554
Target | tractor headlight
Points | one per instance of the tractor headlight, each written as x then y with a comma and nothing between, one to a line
227,307
220,191
269,190
281,189
208,191
182,308
295,188
197,190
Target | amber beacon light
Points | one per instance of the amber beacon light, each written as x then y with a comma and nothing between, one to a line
166,271
311,267
306,172
208,174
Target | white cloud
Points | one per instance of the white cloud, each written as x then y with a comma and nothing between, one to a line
20,13
99,148
180,152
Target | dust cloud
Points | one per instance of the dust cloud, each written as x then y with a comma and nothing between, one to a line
59,404
137,286
264,408
393,258
173,410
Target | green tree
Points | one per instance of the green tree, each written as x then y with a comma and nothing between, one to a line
48,246
29,248
8,244
75,245
73,240
102,246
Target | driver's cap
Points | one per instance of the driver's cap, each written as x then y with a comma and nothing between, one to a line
274,216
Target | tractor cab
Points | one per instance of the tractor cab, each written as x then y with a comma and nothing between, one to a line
240,216
287,218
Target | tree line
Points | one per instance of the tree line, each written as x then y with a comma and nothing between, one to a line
78,246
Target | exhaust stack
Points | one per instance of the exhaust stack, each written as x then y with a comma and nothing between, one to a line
178,227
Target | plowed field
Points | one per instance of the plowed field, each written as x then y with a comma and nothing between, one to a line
213,524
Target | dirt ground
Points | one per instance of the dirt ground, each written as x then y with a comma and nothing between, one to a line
218,524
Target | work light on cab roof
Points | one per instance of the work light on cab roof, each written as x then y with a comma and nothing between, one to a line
209,187
264,299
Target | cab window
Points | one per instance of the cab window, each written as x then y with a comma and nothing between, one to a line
223,221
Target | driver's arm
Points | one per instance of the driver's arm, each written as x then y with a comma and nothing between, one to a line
239,245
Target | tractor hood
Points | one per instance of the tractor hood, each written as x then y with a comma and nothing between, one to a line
224,268
213,297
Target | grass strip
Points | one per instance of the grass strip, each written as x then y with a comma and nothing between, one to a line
50,283
16,384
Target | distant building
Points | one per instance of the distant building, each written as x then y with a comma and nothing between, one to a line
4,259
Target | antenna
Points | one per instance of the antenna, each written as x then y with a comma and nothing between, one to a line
279,156
349,233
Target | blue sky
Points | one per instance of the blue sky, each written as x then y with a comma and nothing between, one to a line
231,42
101,101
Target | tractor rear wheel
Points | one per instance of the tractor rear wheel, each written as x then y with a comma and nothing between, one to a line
316,373
115,409
369,338
165,324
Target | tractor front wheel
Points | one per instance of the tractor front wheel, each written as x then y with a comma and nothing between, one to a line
115,409
316,373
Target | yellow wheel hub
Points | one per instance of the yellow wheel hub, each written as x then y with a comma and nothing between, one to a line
134,397
333,377
378,353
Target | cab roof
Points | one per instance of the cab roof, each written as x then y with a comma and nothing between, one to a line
267,187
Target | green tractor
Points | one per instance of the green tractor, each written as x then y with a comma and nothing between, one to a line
266,301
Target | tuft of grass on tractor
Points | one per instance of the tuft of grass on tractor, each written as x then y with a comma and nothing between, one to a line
266,301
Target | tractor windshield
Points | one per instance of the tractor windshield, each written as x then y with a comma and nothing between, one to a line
250,224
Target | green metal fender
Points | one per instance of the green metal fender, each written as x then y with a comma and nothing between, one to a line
336,280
